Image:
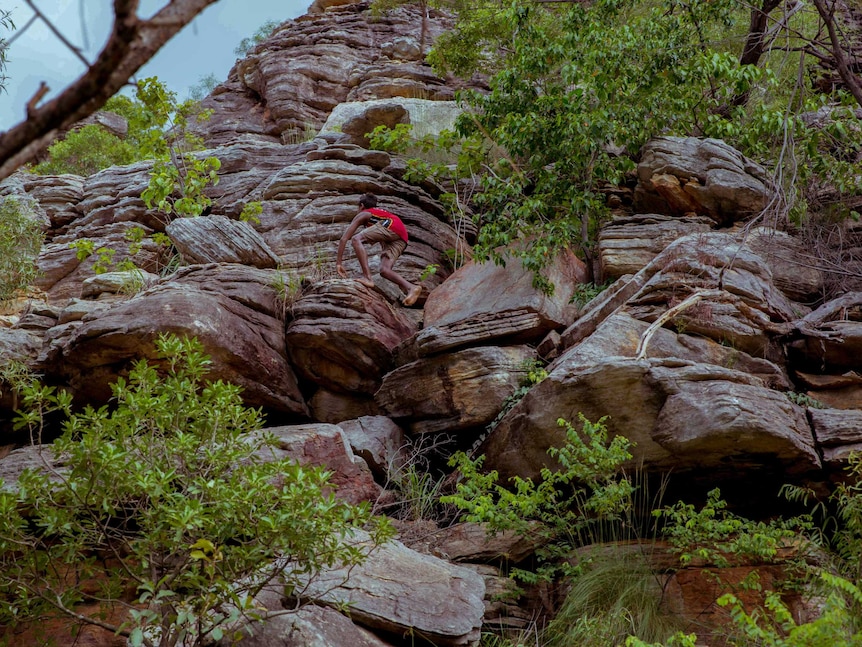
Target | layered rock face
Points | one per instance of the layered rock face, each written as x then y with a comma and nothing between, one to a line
700,351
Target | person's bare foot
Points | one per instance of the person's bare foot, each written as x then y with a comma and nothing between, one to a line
413,295
366,282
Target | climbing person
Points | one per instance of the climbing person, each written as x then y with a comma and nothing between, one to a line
384,228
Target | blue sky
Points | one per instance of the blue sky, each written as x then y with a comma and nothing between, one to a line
206,46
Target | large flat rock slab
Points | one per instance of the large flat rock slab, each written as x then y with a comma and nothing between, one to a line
454,392
684,416
485,303
403,592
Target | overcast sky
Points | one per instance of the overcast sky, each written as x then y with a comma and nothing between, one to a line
206,46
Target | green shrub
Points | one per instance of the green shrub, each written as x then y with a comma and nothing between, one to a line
86,151
570,507
717,536
20,242
166,492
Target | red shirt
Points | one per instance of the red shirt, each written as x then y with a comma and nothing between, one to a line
388,220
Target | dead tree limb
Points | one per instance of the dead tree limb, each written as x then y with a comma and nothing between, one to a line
853,83
131,44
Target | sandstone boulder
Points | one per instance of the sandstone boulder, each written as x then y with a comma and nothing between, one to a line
830,338
309,626
401,591
357,119
289,84
379,442
326,446
308,206
794,270
216,239
653,404
334,407
680,175
838,433
232,310
620,335
454,392
343,334
748,313
485,303
628,244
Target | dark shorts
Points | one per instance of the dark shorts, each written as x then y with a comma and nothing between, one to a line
393,245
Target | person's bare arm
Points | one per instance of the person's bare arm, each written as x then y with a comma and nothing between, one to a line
360,219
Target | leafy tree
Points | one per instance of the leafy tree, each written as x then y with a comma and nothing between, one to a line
90,149
179,177
5,23
578,88
263,32
20,242
204,86
165,491
582,90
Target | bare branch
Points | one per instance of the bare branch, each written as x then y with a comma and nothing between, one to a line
132,43
850,79
75,50
688,302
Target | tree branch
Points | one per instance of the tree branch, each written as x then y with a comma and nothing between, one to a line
850,79
132,43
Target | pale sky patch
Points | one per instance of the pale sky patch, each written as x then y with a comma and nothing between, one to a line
206,46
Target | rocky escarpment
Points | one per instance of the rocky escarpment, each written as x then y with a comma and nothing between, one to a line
700,351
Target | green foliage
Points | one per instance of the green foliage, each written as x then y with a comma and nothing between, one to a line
804,400
679,639
86,151
20,242
167,491
90,149
429,271
840,516
205,85
535,373
838,625
418,492
482,31
616,595
569,507
84,248
179,177
6,23
288,289
716,536
263,32
251,212
583,88
578,88
586,292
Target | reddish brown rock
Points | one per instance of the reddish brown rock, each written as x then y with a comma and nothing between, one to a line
325,446
287,86
343,334
231,309
681,175
503,304
454,392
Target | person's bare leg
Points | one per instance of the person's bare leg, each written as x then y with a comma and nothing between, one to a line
412,291
362,257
